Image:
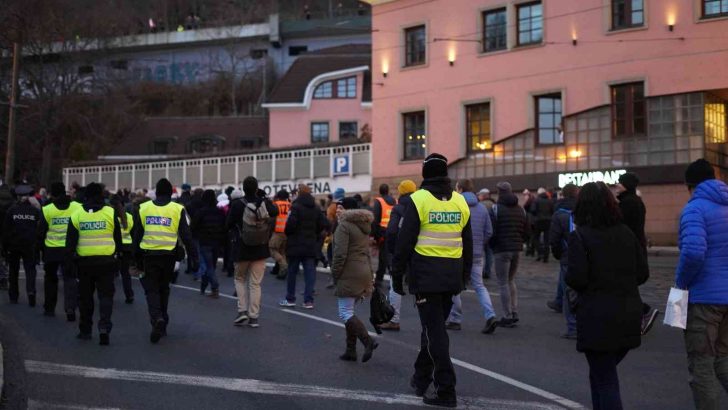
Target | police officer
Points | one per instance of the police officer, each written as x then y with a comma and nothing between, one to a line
434,245
20,241
53,229
92,242
158,226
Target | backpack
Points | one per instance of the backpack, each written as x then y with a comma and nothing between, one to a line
256,224
380,311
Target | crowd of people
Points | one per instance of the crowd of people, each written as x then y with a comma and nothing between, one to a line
437,239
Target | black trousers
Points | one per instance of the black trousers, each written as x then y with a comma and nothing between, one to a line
433,363
541,238
70,286
124,263
603,379
29,259
383,264
158,273
99,278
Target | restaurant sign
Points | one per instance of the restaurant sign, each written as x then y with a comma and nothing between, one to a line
583,178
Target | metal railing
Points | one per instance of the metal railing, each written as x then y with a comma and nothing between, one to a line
308,165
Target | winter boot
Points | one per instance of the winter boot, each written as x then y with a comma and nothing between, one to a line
361,333
350,353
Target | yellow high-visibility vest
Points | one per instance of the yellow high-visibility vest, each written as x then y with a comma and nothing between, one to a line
57,221
95,232
126,233
441,224
160,225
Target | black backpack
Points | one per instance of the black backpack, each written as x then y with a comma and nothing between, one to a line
380,310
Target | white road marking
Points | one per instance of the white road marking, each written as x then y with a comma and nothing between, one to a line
465,365
264,387
41,405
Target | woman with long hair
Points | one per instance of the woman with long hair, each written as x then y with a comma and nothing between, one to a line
127,223
606,265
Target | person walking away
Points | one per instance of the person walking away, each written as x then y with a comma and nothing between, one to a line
53,229
160,224
277,243
92,242
20,241
511,225
405,189
192,207
253,217
186,196
482,229
562,224
232,247
305,224
6,201
487,202
352,272
703,271
337,197
382,209
435,243
126,253
542,210
208,228
529,200
606,266
633,214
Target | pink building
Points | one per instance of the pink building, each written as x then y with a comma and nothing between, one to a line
540,92
325,97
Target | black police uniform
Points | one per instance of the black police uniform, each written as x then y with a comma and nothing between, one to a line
20,241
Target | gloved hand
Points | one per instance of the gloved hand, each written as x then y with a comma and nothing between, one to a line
397,285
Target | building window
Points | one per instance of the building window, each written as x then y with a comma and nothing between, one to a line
715,8
324,90
495,30
715,122
160,147
627,13
348,130
297,50
477,123
628,110
415,46
246,143
258,53
206,144
319,132
414,135
548,119
530,23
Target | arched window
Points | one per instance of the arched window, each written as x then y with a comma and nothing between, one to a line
205,144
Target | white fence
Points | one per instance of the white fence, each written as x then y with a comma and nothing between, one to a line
347,166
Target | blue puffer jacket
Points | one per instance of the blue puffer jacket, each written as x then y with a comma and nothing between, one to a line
480,223
703,266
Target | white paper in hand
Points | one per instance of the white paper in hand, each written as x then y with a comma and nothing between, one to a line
676,312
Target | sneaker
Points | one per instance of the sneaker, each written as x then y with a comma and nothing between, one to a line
551,304
83,336
569,336
390,326
286,303
452,326
648,320
104,339
31,300
436,400
71,317
253,322
490,326
514,316
241,319
307,305
506,322
419,391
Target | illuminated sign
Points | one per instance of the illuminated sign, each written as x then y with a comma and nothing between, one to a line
583,178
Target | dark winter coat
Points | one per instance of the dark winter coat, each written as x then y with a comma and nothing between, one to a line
560,229
605,268
377,230
429,274
351,265
394,220
510,225
53,254
304,225
235,222
633,214
185,198
542,208
6,201
208,227
21,227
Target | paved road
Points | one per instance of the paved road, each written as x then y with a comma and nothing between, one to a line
291,362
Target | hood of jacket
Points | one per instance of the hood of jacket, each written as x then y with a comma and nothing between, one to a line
713,190
508,199
470,198
439,187
389,200
361,218
306,200
566,203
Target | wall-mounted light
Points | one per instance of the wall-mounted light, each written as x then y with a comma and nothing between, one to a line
451,56
574,40
575,153
385,68
671,27
671,17
384,73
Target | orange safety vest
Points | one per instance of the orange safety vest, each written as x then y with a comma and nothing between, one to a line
386,212
283,208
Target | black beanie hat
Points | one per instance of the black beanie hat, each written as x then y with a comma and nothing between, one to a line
629,181
699,171
282,195
58,189
94,190
349,203
163,188
435,165
250,186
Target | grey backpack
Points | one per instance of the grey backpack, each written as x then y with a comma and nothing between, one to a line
256,224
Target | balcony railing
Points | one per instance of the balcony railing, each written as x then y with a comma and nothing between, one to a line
325,168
